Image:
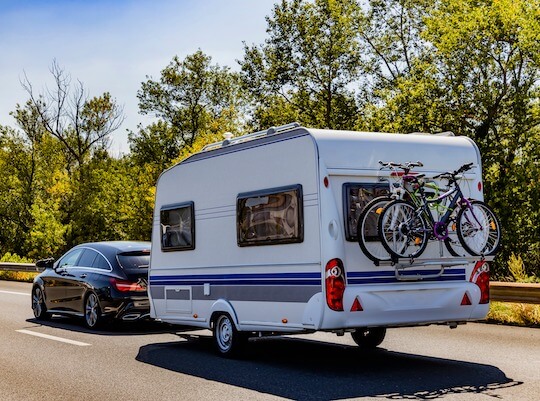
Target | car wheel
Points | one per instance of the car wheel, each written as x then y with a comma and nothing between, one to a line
92,311
369,338
38,304
228,341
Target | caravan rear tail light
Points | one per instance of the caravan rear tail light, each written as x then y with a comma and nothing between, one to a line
480,277
335,284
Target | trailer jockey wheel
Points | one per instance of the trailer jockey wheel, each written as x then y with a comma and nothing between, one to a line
228,341
369,338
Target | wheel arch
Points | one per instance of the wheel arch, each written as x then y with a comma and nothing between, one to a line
223,306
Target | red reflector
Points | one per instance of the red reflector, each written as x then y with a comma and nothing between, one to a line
356,307
480,186
466,300
325,181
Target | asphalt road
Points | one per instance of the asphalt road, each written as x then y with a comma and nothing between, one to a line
149,362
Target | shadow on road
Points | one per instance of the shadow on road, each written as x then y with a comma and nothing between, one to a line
109,329
310,370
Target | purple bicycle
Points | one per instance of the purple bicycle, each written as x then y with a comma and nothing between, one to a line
405,227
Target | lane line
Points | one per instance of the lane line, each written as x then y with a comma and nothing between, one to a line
60,339
14,293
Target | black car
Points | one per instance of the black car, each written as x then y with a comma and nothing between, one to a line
97,281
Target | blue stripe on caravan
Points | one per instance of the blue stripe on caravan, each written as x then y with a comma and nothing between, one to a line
388,276
179,281
240,279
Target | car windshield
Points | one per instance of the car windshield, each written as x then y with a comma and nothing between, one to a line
133,262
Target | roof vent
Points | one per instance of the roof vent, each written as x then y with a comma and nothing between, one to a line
228,136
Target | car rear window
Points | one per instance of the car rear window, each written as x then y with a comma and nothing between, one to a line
133,262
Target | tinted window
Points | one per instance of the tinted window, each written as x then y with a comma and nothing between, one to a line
177,227
133,262
87,258
70,258
356,196
270,217
101,263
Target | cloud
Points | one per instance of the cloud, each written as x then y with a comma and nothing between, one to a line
113,45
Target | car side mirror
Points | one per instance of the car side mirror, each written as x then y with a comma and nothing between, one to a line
45,263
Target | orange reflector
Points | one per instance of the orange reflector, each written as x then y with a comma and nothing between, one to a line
493,225
379,210
417,241
356,307
284,321
466,300
195,316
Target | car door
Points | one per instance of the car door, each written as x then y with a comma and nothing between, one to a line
77,281
59,279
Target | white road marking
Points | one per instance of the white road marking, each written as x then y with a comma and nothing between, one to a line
63,340
14,293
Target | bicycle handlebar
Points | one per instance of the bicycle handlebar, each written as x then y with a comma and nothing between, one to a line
452,174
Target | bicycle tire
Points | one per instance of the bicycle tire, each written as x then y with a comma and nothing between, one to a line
369,217
479,232
403,232
452,243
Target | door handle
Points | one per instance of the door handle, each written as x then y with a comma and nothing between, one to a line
83,275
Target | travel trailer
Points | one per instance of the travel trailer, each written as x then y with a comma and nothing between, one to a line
256,235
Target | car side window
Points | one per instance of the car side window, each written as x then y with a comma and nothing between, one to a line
101,263
87,258
70,258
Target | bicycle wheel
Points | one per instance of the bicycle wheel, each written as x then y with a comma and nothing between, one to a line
367,230
452,243
402,231
478,229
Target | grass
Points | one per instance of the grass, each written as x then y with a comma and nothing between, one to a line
26,277
514,314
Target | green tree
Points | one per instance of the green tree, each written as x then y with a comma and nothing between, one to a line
192,97
305,68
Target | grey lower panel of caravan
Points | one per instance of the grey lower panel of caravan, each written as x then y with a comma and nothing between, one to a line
288,293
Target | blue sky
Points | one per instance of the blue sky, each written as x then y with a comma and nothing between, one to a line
112,45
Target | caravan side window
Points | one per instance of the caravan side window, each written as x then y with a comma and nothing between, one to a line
269,217
355,198
177,227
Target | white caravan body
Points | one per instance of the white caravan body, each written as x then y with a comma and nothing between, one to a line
206,261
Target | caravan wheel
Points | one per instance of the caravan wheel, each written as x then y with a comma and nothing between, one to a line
228,341
369,338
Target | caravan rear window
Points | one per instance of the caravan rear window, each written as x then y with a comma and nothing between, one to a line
177,227
355,197
269,217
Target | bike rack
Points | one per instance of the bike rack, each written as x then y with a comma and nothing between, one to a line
400,265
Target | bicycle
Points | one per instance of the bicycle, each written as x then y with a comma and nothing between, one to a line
405,227
367,234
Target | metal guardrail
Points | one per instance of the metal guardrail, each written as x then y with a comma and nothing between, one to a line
515,292
502,292
19,267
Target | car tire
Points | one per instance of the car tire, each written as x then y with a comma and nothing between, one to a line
92,311
38,304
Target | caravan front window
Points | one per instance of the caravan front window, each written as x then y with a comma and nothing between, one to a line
269,217
177,227
355,198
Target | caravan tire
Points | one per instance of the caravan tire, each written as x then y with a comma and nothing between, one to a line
229,342
369,338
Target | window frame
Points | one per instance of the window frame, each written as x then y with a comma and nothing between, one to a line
297,188
346,204
177,206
